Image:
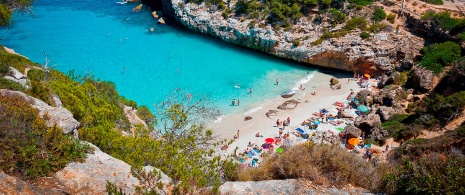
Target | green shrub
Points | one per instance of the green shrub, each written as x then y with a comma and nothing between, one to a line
296,43
462,36
391,18
28,147
251,24
226,13
378,14
364,35
439,55
338,16
435,2
362,2
432,174
355,22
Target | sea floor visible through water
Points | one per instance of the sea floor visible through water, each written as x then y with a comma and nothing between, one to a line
113,43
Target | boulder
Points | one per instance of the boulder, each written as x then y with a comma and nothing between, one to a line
288,186
336,86
62,117
248,118
14,185
351,131
91,176
333,81
363,96
377,134
161,21
368,122
16,76
423,79
386,113
133,118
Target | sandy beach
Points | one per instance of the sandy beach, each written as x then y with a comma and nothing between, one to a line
226,126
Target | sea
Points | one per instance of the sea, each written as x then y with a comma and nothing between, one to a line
112,42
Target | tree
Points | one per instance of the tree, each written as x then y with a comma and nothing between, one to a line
338,16
8,6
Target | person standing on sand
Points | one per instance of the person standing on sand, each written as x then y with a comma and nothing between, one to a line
238,102
237,134
277,81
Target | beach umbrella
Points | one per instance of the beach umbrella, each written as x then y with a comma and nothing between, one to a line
269,140
363,108
279,150
353,141
300,130
367,75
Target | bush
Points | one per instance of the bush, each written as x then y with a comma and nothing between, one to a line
364,35
435,2
28,147
439,55
337,16
296,43
353,23
378,14
226,13
362,2
322,164
391,18
432,174
462,36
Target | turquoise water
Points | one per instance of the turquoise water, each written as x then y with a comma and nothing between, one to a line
113,43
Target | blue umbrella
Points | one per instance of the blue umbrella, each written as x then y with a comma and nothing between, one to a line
362,108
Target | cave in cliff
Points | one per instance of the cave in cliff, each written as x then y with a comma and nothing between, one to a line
155,5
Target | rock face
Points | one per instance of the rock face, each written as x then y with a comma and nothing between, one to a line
367,123
423,79
91,176
457,77
17,76
133,118
13,185
386,113
348,53
62,117
284,187
352,132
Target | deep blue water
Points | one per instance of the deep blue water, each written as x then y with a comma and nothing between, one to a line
111,42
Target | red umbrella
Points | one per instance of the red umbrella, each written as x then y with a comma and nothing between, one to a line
269,140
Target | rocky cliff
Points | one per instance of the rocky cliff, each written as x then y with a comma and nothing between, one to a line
380,52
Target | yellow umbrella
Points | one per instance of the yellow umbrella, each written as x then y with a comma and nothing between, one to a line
353,141
367,75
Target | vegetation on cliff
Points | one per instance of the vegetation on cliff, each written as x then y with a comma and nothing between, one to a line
438,55
8,6
182,151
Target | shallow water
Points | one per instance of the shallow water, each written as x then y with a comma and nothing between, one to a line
112,42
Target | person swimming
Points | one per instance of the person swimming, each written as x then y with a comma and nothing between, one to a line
238,84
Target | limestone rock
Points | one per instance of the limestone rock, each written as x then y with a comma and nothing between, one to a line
91,176
348,53
333,81
62,117
14,185
288,186
16,76
423,79
364,96
352,132
457,77
386,113
336,86
161,21
133,118
368,122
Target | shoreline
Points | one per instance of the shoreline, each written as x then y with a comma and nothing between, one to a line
227,125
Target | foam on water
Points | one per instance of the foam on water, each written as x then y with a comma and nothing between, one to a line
253,110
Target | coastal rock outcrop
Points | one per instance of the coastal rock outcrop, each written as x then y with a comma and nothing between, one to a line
16,76
91,176
352,132
14,185
386,113
288,186
349,53
423,79
368,122
457,76
62,117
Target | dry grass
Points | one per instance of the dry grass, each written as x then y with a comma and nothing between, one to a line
322,164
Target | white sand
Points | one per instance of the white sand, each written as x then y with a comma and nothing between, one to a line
227,127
